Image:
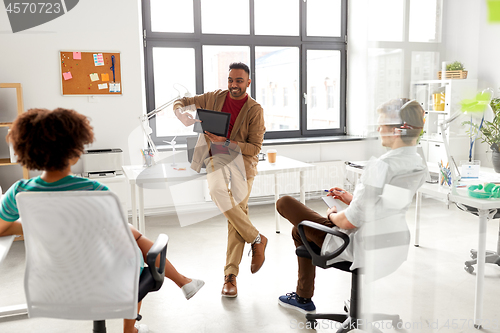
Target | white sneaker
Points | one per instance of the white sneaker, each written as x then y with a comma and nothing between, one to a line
141,328
190,289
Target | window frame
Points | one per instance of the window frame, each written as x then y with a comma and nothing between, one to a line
197,40
408,47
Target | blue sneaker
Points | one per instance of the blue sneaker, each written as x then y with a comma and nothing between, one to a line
290,301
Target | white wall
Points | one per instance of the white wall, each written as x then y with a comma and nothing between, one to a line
31,58
357,69
469,38
461,31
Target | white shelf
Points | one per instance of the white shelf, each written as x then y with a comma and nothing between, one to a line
457,139
444,113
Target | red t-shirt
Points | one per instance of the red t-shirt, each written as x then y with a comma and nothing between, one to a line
232,106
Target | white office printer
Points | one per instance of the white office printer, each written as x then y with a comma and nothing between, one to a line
98,163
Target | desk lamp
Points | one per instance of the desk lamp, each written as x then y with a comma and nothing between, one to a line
475,106
145,119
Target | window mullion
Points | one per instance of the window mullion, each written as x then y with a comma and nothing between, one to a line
197,18
200,43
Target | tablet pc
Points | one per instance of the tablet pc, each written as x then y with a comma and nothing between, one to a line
214,122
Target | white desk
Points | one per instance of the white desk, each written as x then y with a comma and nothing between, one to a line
356,168
13,310
5,244
137,175
483,206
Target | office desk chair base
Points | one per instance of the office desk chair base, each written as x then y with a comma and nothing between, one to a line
492,257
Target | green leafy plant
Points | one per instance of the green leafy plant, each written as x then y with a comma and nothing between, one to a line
489,132
455,66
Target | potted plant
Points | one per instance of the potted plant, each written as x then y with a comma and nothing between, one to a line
489,132
455,70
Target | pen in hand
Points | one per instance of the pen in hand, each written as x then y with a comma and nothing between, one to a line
334,190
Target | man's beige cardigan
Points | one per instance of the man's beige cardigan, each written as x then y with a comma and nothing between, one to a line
248,130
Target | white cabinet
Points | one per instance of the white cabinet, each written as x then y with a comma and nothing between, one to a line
119,186
432,141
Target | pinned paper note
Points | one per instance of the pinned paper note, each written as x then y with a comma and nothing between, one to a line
98,59
94,77
67,76
114,87
104,77
77,55
103,86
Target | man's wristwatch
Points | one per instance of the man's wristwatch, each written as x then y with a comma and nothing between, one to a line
226,143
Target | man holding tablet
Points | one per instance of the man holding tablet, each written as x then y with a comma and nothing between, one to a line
231,160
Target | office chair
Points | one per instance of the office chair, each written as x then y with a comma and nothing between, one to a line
384,245
82,262
492,257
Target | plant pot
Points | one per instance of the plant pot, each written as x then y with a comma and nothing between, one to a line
496,160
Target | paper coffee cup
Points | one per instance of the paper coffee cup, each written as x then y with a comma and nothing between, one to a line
271,155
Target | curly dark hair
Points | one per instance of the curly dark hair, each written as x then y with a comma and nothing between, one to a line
48,140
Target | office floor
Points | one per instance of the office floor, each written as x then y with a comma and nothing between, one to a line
431,291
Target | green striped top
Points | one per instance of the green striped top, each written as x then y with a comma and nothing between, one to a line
8,208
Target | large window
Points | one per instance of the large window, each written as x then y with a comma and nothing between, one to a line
296,51
405,37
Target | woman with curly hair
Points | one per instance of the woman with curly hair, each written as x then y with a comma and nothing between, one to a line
52,142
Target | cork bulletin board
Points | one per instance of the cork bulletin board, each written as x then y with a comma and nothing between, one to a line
90,73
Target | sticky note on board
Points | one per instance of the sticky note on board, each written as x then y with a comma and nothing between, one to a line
104,77
67,76
98,59
102,86
77,55
114,87
94,77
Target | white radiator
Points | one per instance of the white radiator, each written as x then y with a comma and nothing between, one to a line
324,176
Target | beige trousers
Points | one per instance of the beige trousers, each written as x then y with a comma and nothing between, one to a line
230,192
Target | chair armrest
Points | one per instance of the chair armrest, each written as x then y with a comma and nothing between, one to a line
318,259
159,248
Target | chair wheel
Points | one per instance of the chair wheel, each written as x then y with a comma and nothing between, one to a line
397,323
469,269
